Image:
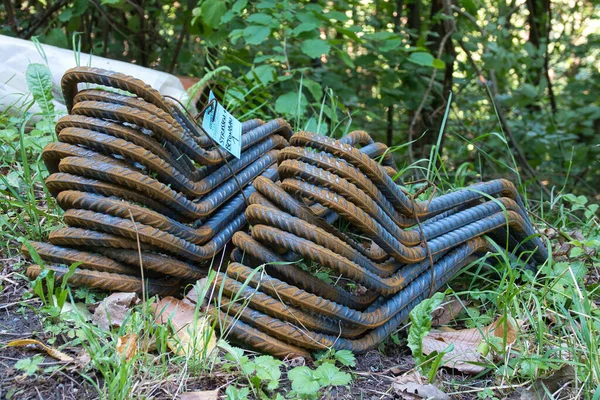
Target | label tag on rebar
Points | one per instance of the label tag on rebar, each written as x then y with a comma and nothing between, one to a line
223,127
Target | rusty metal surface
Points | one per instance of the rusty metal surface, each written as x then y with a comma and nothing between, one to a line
139,182
144,189
385,250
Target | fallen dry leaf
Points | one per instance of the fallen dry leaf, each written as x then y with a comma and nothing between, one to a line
127,346
415,387
193,335
467,351
202,395
83,358
542,389
111,312
59,355
192,297
446,312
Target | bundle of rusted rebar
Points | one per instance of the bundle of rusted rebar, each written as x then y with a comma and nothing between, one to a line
146,193
392,252
142,185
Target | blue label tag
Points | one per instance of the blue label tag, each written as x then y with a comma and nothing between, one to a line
223,127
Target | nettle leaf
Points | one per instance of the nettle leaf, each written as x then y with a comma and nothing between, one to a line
426,60
304,380
39,83
345,357
212,11
330,375
314,48
256,34
288,104
420,318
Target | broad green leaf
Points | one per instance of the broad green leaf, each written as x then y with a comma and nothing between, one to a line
304,380
337,16
29,365
55,37
264,74
420,318
256,34
345,357
313,126
239,5
212,11
330,375
439,64
66,15
268,369
288,104
260,19
314,88
234,393
346,59
314,48
304,27
39,83
425,59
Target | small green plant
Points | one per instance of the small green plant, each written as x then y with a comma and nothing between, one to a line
263,372
308,383
420,318
344,357
29,365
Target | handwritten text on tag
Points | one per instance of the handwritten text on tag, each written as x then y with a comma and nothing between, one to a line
223,127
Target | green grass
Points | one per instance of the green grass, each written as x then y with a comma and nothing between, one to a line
555,307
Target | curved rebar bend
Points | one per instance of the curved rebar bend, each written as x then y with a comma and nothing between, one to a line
383,320
123,171
107,281
289,305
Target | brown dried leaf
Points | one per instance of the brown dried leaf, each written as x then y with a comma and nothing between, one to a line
193,335
59,355
111,312
466,344
192,297
202,395
127,346
446,312
550,384
414,387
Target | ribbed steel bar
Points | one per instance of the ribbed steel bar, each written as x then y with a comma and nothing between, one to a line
141,183
143,188
393,249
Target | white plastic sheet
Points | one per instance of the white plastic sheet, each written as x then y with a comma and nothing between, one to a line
17,54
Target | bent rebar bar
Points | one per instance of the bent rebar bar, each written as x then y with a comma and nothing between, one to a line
142,187
394,249
144,190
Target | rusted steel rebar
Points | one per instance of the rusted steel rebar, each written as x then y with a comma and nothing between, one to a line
386,246
139,182
144,190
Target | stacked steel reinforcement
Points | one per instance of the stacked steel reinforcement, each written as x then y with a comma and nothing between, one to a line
140,184
396,250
